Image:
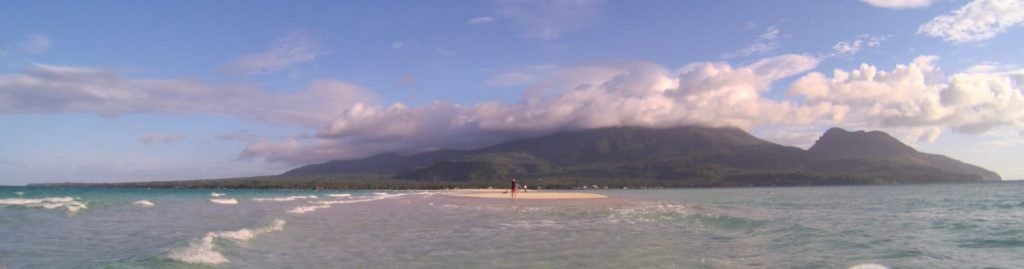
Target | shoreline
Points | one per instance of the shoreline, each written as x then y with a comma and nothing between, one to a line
528,195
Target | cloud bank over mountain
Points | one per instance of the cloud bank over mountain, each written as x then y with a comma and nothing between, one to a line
348,121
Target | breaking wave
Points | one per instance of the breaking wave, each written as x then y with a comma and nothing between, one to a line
339,195
216,194
284,199
228,201
327,204
67,203
869,266
648,213
201,251
143,203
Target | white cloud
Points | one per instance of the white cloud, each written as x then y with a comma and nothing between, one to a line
899,4
480,20
444,52
522,76
621,93
294,48
765,42
56,89
240,135
398,45
153,138
851,47
548,20
1001,138
976,21
802,136
919,98
36,43
915,102
990,67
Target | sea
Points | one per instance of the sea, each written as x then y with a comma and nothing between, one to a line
975,225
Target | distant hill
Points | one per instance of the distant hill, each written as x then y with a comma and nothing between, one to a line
839,150
689,156
380,163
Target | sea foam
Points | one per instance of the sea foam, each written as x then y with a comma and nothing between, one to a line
67,203
216,194
201,250
646,213
228,201
869,266
143,203
340,195
327,204
284,199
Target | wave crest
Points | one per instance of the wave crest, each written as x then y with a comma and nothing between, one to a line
869,266
143,203
70,204
200,250
327,204
284,199
228,201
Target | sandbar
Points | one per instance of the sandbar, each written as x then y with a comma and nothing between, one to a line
528,195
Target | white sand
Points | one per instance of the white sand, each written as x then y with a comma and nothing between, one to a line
528,195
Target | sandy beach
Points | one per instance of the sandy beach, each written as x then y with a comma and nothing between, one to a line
528,195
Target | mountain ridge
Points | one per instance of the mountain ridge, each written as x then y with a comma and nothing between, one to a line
679,156
838,143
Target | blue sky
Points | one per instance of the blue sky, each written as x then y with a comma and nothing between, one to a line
119,91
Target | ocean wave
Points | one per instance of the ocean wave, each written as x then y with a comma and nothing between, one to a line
383,195
67,203
284,199
216,194
869,266
325,204
524,224
307,209
317,205
228,201
143,203
19,193
340,195
648,213
201,250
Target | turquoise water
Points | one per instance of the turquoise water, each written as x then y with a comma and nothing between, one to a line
928,226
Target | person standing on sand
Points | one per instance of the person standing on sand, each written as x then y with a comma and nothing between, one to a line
515,188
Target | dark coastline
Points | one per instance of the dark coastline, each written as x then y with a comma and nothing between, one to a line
280,182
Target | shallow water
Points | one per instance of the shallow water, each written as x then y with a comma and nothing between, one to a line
928,226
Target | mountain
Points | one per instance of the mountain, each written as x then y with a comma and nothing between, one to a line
689,156
878,151
841,144
380,163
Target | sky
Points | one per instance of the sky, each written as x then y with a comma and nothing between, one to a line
107,91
